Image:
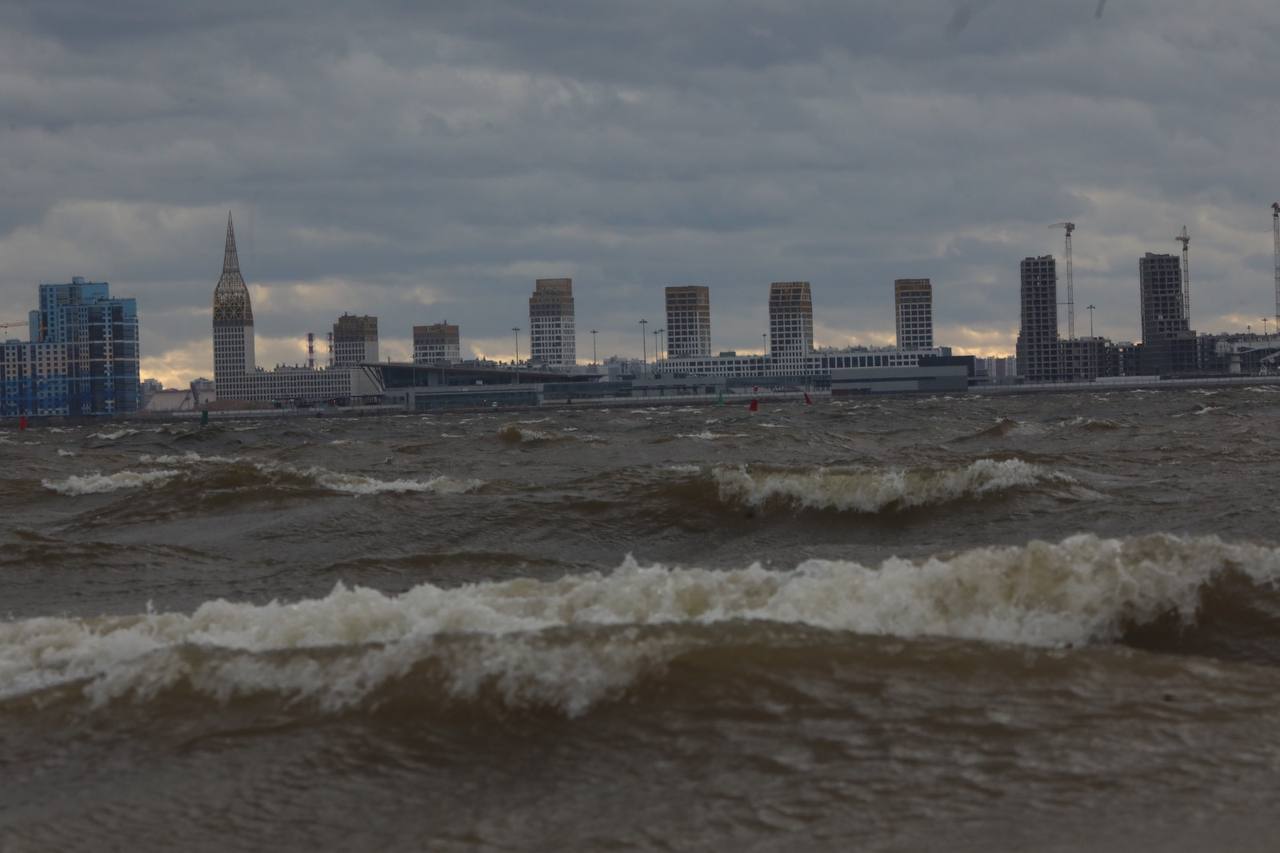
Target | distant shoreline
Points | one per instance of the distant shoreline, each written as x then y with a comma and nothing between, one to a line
734,398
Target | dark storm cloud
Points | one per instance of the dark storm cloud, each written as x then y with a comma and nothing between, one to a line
421,161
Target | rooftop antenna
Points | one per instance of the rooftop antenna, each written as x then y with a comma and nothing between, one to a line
1185,239
331,349
1071,289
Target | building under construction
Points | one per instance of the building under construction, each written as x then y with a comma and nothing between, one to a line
1039,354
1168,344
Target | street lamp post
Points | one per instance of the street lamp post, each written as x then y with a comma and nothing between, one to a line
656,351
1090,308
1264,327
595,362
515,333
644,345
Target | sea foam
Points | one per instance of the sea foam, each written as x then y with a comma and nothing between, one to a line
96,483
571,642
873,490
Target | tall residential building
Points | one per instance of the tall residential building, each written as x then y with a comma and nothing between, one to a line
790,324
355,340
233,357
1039,354
82,356
438,343
913,308
552,341
1168,344
688,321
101,338
33,379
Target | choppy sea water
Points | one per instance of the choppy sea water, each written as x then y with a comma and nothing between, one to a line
1044,622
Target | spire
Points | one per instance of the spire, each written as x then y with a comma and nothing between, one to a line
230,259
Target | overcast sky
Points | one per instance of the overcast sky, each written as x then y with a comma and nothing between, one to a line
428,161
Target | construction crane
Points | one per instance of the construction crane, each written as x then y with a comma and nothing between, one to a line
1185,239
1071,288
1275,237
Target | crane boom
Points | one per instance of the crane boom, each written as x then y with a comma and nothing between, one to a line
1185,239
1275,237
1071,287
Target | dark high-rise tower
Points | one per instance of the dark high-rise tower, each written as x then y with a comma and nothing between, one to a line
233,357
913,310
1168,344
1039,355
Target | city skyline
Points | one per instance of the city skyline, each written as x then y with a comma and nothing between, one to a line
421,165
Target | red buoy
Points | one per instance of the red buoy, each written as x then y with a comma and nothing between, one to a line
754,407
807,400
22,423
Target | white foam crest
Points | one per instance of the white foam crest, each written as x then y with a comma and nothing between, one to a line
190,458
65,452
536,642
358,484
708,435
97,483
872,490
112,436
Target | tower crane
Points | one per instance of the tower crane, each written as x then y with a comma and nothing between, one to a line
1185,239
1071,289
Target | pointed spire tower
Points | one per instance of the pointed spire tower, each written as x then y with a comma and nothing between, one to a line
233,351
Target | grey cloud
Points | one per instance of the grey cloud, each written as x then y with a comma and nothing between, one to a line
464,148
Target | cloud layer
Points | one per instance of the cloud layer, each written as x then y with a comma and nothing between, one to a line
423,164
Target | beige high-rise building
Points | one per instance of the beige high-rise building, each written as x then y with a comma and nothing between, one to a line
913,310
790,324
355,340
552,341
438,343
688,321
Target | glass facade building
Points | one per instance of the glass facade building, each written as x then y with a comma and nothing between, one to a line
82,356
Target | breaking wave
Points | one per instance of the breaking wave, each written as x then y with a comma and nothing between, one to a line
112,436
874,490
245,472
96,484
571,643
